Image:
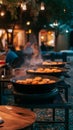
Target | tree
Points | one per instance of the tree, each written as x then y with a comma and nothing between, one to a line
56,11
60,10
60,14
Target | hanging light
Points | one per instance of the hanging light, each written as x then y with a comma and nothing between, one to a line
55,23
23,6
29,31
10,30
42,6
28,23
2,13
1,2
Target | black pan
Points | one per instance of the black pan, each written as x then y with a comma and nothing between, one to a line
36,98
54,73
34,88
54,64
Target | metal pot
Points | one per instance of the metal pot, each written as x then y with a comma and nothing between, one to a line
34,88
35,98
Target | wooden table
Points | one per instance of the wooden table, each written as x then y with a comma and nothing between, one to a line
16,117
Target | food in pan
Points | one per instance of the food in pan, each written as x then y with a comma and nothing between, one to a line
40,69
36,80
53,63
46,70
31,70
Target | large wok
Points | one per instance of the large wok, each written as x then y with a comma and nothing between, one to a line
54,63
21,98
34,88
53,71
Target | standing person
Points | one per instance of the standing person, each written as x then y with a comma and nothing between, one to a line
35,50
43,47
18,49
28,51
4,42
19,52
11,56
36,58
1,45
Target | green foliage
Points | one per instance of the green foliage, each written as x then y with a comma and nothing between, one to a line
11,6
10,1
55,9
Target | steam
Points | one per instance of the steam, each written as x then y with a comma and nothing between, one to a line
28,64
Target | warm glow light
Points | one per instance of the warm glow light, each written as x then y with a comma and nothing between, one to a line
0,33
51,38
10,30
42,6
29,30
23,6
2,13
55,24
64,10
42,37
28,23
1,2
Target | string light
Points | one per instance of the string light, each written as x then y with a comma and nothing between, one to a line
42,6
23,6
55,23
2,13
1,2
28,23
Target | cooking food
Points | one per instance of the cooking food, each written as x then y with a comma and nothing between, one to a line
54,63
46,70
34,84
36,80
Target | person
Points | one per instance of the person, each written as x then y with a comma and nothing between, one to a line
28,51
1,46
11,57
35,50
36,57
43,47
19,52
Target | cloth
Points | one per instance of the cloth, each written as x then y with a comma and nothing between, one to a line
28,51
10,57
